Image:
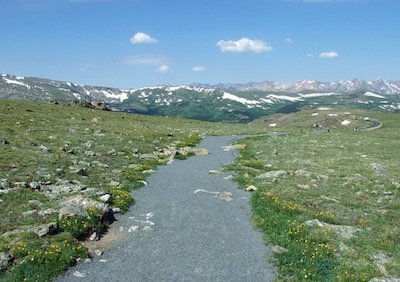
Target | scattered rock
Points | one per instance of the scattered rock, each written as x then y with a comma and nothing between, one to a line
79,274
251,188
234,147
279,250
90,154
343,230
44,149
5,184
213,171
98,252
5,260
72,211
379,169
133,229
29,213
225,196
304,186
4,142
34,203
95,120
21,184
272,174
105,198
44,229
94,237
302,172
34,185
329,199
47,212
385,280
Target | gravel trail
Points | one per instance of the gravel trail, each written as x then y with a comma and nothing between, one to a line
184,226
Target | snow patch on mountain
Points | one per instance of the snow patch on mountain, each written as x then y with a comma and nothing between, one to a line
313,95
370,94
10,81
239,99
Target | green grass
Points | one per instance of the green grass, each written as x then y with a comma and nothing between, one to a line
46,143
329,178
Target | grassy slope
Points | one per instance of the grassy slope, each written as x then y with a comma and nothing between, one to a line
27,127
338,187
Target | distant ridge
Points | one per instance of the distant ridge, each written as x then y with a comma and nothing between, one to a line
219,102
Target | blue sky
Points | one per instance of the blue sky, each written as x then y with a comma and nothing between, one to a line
136,43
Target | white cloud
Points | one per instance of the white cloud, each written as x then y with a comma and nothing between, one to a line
199,68
289,41
145,60
244,45
310,55
331,54
162,68
141,37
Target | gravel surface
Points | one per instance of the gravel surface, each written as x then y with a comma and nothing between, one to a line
184,226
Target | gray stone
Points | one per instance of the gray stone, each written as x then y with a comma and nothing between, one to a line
379,169
44,149
272,174
5,184
279,250
34,203
5,260
30,213
34,185
105,198
72,211
47,212
90,154
98,252
44,229
21,184
343,230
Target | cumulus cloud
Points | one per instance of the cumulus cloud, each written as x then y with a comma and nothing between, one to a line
141,37
328,55
198,68
163,68
244,45
144,60
289,40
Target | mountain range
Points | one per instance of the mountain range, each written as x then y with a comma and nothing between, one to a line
219,102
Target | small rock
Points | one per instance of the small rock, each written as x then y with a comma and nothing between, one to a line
21,184
116,210
29,213
90,154
4,142
95,120
47,212
379,169
272,174
44,149
94,237
5,184
98,252
133,229
279,250
225,196
34,185
79,274
5,259
35,203
251,188
304,186
105,198
214,172
114,183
